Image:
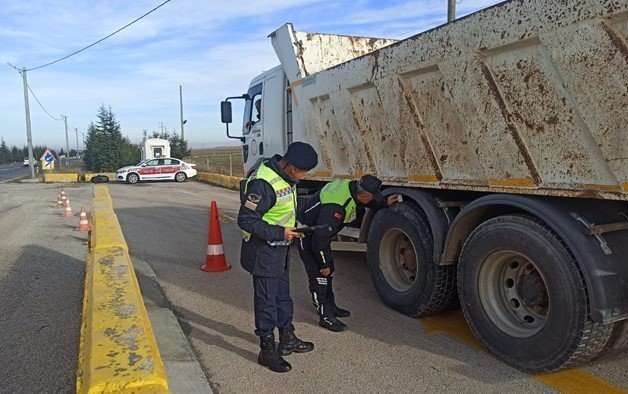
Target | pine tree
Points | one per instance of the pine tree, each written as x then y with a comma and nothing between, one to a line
105,147
5,154
179,147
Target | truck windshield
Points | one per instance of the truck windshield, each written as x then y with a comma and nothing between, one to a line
253,109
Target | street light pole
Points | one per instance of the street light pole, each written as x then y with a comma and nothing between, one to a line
77,146
29,138
67,140
181,108
451,11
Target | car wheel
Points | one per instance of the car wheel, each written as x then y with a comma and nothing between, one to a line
525,298
180,177
132,178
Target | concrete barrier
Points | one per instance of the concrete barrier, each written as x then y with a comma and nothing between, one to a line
66,178
118,351
226,181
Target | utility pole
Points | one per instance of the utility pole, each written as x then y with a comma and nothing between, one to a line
83,140
451,11
29,138
77,146
162,127
67,140
181,107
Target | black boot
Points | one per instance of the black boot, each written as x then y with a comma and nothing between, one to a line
332,324
339,312
288,342
269,357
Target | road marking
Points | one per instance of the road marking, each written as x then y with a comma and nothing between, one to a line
577,381
454,325
226,218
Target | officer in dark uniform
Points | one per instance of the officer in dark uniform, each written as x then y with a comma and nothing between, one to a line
268,218
332,207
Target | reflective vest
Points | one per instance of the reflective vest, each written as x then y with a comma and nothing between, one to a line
284,212
338,192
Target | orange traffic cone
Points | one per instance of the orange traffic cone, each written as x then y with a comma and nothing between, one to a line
83,221
215,259
68,209
60,200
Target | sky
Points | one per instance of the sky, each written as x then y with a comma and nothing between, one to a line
212,48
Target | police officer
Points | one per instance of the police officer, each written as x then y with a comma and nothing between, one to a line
332,207
268,217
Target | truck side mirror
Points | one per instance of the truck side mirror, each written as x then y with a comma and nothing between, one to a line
225,112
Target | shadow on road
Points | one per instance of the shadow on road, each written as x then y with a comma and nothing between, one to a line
40,319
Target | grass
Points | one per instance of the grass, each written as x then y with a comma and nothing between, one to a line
216,160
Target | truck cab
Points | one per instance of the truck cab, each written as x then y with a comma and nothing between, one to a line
267,120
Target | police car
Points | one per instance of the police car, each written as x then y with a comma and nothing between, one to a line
163,168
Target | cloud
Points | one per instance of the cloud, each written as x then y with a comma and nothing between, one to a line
212,48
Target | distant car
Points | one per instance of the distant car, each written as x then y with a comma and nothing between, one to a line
25,162
163,168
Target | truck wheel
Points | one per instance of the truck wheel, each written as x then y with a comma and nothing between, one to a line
400,257
525,298
132,178
618,343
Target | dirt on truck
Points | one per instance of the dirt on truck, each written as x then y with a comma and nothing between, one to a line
506,133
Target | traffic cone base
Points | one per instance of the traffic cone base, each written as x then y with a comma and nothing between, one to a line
83,221
68,209
215,259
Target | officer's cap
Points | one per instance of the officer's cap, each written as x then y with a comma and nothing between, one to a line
301,155
371,184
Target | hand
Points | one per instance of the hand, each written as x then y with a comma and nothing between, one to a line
326,271
393,199
289,234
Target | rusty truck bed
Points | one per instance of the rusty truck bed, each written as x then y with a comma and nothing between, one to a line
524,97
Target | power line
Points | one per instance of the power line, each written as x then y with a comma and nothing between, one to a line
38,102
102,39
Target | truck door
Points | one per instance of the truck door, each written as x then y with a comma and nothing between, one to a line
252,129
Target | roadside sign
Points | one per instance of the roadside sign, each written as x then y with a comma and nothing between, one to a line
47,160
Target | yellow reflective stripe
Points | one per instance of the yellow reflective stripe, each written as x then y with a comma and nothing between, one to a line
275,180
285,219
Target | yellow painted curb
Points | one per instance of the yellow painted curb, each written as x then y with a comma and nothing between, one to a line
61,178
118,351
226,181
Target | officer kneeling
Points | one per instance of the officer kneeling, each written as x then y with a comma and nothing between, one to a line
268,217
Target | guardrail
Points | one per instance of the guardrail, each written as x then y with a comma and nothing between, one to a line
118,351
229,182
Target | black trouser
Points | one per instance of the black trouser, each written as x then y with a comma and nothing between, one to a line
320,286
273,304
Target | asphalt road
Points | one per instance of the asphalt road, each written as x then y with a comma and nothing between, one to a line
13,172
165,225
42,262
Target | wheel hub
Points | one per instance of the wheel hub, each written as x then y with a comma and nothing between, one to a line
398,260
514,294
531,289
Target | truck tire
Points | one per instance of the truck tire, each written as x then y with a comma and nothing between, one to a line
525,298
618,343
400,258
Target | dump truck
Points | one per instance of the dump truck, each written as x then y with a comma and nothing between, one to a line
506,134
